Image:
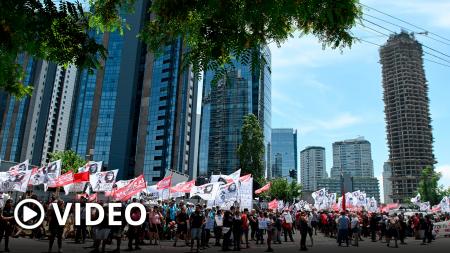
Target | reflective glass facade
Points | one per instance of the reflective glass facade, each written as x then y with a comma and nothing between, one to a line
15,115
223,109
169,114
284,154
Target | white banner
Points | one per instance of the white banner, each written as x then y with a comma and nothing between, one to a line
320,199
442,228
246,192
92,167
52,172
103,181
14,181
206,191
76,187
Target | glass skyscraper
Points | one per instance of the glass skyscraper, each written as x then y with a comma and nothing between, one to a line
284,153
105,117
14,114
135,114
167,115
223,108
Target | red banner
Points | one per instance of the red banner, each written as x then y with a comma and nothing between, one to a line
245,178
264,188
81,177
273,205
64,179
165,183
184,187
133,188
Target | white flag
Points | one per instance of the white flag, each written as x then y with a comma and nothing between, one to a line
206,191
416,200
103,181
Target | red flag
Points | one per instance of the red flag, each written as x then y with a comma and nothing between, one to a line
129,190
165,183
343,202
64,179
245,178
81,177
264,188
184,187
273,205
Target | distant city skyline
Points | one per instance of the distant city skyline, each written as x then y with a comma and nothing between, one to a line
329,96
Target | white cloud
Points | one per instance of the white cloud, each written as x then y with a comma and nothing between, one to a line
445,171
338,122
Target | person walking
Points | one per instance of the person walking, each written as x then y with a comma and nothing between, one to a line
245,226
237,230
343,224
354,226
7,222
196,220
227,229
56,230
287,225
303,228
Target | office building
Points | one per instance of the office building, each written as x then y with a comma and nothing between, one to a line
37,125
387,183
313,167
407,113
352,156
166,134
224,106
284,153
137,113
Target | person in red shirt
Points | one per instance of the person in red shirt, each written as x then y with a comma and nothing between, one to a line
245,224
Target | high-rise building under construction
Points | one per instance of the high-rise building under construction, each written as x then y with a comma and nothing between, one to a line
408,121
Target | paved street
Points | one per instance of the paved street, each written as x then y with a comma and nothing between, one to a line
321,245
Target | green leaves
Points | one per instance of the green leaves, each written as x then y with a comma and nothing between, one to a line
69,160
42,30
428,185
214,31
281,189
251,150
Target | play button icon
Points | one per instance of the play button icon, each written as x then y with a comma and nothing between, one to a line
28,214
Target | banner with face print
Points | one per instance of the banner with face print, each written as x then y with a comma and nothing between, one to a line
92,167
320,199
246,193
23,166
227,192
75,187
51,172
372,205
206,191
14,180
103,181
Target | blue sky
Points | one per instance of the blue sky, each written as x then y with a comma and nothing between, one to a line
328,95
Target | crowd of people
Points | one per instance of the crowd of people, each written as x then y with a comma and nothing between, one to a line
201,227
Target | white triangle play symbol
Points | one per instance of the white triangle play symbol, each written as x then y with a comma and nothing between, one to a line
28,214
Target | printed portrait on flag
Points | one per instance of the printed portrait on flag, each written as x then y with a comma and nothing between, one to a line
14,180
103,181
92,167
51,172
206,191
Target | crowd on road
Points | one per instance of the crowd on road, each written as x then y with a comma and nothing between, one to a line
200,227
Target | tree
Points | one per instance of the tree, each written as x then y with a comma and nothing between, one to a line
428,185
251,149
281,189
69,160
40,29
214,31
